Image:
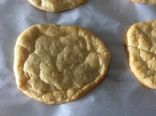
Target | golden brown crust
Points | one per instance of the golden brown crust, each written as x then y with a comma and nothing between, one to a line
141,49
57,64
56,5
144,1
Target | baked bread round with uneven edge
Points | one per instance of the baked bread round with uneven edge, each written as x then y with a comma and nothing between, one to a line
56,5
141,47
56,64
145,1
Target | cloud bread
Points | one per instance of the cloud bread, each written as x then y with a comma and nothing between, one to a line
56,5
141,47
56,64
144,1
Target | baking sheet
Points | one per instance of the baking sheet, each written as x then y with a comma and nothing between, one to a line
119,95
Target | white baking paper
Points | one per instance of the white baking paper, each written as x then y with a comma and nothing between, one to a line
119,94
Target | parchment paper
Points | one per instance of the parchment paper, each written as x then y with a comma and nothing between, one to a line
119,94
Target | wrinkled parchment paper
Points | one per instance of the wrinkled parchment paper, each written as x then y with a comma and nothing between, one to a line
119,94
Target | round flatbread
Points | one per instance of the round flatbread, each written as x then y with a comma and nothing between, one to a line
56,5
145,1
141,46
57,64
